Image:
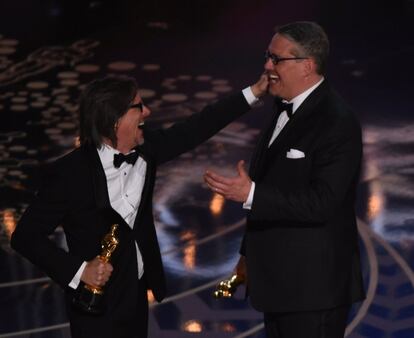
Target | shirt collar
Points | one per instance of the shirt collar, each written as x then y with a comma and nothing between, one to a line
297,101
106,153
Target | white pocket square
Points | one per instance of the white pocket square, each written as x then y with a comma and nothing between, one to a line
294,153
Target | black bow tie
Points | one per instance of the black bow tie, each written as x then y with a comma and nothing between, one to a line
131,158
283,106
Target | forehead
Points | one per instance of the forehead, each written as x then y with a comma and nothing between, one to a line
280,45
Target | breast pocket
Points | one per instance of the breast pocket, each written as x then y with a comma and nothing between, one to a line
295,170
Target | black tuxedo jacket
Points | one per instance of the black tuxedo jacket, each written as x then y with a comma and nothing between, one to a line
301,242
74,194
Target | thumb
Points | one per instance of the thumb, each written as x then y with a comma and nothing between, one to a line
240,168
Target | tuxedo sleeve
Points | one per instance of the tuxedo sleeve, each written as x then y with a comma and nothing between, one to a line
186,135
32,236
332,179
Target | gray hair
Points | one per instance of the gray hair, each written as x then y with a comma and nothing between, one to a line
312,40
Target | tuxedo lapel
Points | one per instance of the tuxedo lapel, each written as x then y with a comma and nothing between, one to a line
297,124
145,153
262,146
100,186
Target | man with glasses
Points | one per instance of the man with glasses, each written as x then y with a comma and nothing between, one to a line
300,252
110,179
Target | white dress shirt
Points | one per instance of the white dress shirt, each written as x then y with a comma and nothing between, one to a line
280,124
125,185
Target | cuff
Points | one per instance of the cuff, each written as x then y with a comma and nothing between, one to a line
248,204
249,96
76,280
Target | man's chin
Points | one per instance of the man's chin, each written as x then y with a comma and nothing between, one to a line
273,90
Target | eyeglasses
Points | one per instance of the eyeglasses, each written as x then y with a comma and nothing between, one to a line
275,59
139,105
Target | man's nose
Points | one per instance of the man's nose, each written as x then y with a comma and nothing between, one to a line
268,65
146,111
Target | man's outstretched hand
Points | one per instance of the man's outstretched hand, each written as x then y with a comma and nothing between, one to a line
233,188
261,87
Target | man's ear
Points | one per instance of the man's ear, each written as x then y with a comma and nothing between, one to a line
309,67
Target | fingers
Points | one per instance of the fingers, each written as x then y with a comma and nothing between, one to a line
261,86
97,272
104,272
217,178
214,184
240,168
235,188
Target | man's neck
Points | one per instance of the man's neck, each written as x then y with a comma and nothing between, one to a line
307,84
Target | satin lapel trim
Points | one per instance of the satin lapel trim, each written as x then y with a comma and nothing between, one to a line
149,175
261,147
100,186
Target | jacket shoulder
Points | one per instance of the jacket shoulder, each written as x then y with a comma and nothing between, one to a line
70,163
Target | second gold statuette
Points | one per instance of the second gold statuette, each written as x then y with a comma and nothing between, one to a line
227,287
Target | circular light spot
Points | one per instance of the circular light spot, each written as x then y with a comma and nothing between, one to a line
18,99
18,107
63,97
150,67
38,104
68,75
17,149
69,82
174,97
66,125
87,68
9,42
7,50
222,89
203,78
205,95
220,82
357,73
121,65
56,137
37,85
15,172
146,93
184,77
32,152
52,131
169,87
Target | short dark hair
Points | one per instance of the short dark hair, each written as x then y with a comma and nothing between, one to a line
312,40
102,103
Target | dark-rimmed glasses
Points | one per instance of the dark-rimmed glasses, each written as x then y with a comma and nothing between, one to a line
275,59
139,105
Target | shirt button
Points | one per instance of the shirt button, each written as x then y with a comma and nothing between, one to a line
126,195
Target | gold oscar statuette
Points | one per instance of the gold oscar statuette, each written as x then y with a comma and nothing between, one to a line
89,298
227,287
